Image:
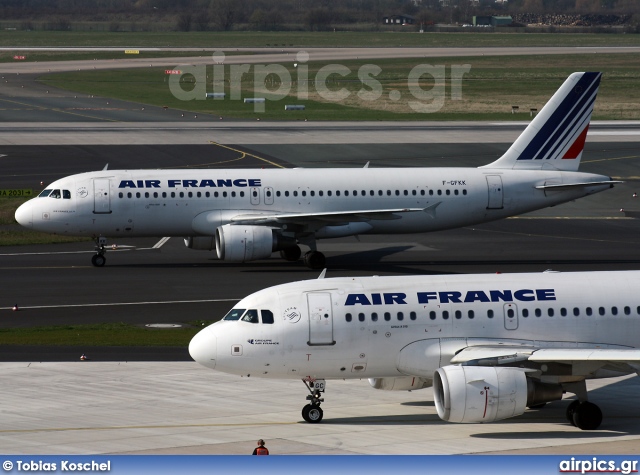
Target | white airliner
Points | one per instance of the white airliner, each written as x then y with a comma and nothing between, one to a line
249,214
490,345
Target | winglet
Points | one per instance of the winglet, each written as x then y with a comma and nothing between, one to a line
431,210
322,274
105,167
366,165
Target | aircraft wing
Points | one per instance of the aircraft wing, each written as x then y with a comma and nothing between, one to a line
330,217
583,360
566,186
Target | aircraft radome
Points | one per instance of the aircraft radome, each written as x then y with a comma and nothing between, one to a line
490,345
247,214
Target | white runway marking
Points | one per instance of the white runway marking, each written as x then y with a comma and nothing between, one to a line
114,304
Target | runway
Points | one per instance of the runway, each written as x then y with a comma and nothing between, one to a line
155,400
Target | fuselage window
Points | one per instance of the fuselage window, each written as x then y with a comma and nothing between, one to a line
638,309
412,315
414,192
199,194
304,193
233,194
267,316
155,194
589,311
439,192
129,195
397,192
464,192
361,317
206,194
234,314
432,315
614,310
445,314
364,193
254,193
295,193
490,313
576,311
44,193
355,192
550,312
164,194
627,310
216,194
388,192
510,313
563,312
320,193
251,316
379,192
337,192
224,194
448,192
182,194
431,192
455,192
601,310
328,192
421,192
146,194
277,193
286,193
173,194
374,317
346,192
372,193
406,193
138,194
66,194
525,312
347,317
538,312
268,193
55,194
400,316
387,316
121,195
458,314
242,194
471,314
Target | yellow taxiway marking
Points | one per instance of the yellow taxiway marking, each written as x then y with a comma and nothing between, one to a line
611,158
245,154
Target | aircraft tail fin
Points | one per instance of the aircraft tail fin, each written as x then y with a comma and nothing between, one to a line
555,137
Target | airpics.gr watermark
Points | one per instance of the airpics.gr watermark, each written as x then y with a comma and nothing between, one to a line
277,82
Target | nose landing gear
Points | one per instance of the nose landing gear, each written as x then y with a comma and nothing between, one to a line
312,412
98,259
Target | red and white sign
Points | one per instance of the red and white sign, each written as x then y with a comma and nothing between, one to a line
19,57
172,71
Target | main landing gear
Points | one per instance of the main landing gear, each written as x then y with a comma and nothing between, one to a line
312,412
312,259
581,413
98,259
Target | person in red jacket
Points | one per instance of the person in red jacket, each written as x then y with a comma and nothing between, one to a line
260,449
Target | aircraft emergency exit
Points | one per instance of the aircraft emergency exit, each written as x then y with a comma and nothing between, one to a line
490,345
247,214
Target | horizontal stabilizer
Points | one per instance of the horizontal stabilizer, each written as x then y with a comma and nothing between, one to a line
577,185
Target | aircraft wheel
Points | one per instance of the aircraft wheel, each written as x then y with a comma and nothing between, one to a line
314,260
312,414
98,260
291,254
587,416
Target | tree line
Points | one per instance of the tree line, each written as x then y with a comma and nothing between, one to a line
274,15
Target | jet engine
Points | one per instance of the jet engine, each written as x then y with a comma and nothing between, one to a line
406,383
248,243
487,393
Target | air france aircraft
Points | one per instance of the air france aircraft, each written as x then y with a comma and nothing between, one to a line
247,215
490,345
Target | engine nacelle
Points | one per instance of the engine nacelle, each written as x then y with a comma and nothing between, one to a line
245,243
200,243
487,393
406,383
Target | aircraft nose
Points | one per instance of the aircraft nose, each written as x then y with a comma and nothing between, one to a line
24,214
203,348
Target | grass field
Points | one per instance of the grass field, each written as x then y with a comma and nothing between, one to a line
488,90
104,334
309,39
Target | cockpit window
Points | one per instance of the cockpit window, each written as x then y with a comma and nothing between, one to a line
234,314
44,193
267,316
66,194
251,316
55,194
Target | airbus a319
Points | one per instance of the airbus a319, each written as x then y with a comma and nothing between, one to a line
490,345
247,215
